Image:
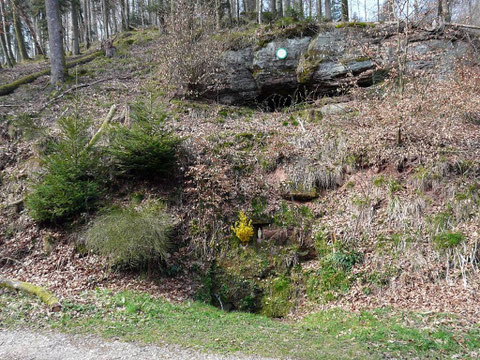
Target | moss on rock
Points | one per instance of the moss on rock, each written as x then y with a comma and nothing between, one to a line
354,24
308,64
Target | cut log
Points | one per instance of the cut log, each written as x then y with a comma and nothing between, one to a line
303,196
9,88
46,297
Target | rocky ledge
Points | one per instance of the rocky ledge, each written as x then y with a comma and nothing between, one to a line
335,58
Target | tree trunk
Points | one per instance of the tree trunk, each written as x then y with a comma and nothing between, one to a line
328,10
17,25
344,10
5,51
127,13
55,38
114,21
33,33
87,20
4,36
319,9
259,11
218,14
229,12
444,10
123,15
391,10
75,29
273,7
106,34
280,8
249,6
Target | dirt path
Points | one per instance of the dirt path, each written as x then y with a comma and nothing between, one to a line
27,345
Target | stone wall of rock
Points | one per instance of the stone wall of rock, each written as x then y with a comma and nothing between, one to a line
337,57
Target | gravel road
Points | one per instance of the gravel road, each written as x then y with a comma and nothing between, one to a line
28,345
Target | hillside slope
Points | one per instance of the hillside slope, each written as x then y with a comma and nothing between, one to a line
365,200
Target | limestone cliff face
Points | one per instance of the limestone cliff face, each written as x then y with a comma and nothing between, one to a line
332,59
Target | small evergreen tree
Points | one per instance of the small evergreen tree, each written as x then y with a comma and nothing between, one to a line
146,149
70,184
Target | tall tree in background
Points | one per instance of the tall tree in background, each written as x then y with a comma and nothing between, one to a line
328,10
344,10
75,28
55,38
280,7
6,31
17,25
319,9
259,11
444,10
87,34
105,16
125,14
3,36
273,7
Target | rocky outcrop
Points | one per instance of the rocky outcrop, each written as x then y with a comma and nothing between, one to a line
273,75
337,57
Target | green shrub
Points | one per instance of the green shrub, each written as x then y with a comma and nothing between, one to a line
277,301
131,239
334,274
322,246
344,260
447,240
442,221
146,149
70,183
229,291
332,277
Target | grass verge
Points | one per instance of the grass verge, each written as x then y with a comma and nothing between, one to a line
333,334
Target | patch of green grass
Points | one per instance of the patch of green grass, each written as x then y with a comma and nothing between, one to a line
333,334
447,240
